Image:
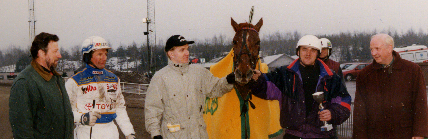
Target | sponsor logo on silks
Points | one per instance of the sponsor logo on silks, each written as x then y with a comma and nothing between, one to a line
88,106
86,80
211,105
109,77
112,87
88,89
104,106
100,44
97,72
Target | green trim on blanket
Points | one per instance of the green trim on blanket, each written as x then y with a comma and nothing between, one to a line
245,120
276,134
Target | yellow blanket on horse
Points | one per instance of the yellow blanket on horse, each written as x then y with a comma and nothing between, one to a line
223,115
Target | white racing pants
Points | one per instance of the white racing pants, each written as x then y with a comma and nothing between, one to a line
99,131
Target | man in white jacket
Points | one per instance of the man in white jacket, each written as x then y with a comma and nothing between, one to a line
176,94
95,96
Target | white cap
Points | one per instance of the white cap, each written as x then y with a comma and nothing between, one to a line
94,43
310,41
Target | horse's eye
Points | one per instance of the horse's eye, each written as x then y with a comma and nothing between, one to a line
234,42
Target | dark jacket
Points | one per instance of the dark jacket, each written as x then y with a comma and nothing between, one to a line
39,106
335,66
390,102
285,84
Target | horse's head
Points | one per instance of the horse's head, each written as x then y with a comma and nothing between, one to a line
246,46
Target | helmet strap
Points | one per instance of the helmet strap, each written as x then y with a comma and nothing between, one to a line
87,59
325,58
93,65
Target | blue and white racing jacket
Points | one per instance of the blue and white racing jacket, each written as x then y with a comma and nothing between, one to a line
102,86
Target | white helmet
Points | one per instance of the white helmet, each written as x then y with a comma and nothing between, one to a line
94,43
325,43
310,41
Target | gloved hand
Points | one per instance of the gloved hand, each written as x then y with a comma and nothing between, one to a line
157,137
89,118
131,136
231,78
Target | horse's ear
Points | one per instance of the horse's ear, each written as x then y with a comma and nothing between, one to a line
259,25
234,25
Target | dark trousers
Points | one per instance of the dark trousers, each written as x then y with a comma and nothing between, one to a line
288,136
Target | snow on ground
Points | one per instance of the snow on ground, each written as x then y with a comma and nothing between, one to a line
9,68
113,63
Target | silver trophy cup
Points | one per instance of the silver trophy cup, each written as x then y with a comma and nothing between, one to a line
319,97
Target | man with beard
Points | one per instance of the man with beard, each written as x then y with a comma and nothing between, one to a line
39,106
96,97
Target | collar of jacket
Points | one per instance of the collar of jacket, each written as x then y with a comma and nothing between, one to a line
324,70
396,64
91,70
181,68
46,75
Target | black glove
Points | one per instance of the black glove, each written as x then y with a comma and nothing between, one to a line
157,137
231,78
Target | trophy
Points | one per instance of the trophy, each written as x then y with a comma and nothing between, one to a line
319,97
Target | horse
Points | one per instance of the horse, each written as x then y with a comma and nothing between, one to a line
246,47
230,116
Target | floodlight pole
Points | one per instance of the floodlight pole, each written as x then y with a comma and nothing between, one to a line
146,20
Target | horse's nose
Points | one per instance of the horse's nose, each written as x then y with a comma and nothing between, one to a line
243,78
249,74
238,73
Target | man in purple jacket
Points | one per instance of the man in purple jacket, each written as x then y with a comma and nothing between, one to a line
293,86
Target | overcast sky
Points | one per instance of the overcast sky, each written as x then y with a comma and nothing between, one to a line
120,22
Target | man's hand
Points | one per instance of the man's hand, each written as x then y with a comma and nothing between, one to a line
256,74
131,136
325,115
89,118
231,78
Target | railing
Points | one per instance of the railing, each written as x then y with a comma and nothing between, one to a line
344,131
134,88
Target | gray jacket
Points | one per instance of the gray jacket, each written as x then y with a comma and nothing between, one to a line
176,95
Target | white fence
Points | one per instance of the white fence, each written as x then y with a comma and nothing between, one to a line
134,88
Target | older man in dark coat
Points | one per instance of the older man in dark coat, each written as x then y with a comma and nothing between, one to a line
391,100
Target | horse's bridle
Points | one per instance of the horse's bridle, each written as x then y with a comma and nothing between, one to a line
245,46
